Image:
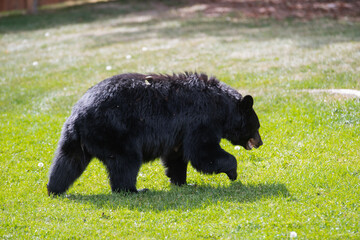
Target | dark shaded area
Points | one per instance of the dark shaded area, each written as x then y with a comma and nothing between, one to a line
308,34
187,197
274,9
86,13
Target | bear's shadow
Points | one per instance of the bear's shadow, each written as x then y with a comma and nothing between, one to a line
185,197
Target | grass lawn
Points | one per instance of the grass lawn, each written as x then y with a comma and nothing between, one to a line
305,179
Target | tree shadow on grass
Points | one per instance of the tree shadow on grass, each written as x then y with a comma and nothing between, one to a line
78,14
158,16
187,197
304,34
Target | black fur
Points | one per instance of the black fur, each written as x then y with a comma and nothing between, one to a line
129,119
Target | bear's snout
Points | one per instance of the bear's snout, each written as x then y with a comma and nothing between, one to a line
253,143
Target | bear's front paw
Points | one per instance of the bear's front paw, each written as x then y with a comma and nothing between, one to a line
232,174
52,193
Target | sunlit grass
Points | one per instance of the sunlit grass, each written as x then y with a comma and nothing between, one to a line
305,178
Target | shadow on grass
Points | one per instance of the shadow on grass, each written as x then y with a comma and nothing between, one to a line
85,13
309,34
312,34
187,197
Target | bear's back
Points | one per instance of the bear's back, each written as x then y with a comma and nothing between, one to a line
189,95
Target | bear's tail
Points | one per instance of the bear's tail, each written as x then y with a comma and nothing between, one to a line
69,162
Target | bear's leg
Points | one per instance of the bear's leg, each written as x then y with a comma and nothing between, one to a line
215,161
69,163
123,170
176,166
205,154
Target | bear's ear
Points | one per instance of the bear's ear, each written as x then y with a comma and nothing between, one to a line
247,102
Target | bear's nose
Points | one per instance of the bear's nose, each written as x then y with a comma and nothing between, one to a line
259,144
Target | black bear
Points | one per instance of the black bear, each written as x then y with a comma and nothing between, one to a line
130,119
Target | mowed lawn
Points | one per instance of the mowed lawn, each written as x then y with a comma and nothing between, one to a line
304,179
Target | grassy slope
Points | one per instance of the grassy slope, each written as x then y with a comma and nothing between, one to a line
304,179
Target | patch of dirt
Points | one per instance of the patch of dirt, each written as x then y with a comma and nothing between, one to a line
344,92
278,9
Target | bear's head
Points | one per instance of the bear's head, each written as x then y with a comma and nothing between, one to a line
245,128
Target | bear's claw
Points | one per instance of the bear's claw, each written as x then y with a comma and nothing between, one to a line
232,174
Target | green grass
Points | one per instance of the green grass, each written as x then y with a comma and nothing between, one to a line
306,177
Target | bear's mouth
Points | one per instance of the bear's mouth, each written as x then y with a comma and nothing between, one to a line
251,144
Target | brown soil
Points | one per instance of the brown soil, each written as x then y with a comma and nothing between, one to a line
279,9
